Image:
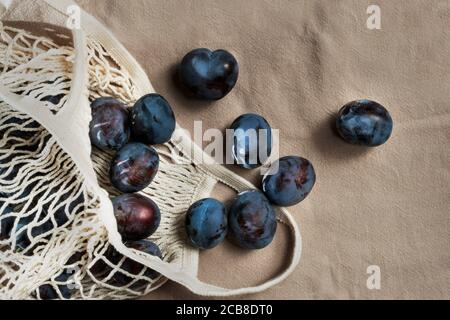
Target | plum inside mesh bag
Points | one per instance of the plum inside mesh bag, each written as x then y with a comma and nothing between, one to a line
40,194
34,200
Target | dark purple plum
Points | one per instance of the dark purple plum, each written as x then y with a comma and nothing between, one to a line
53,99
289,181
134,167
49,292
364,122
206,223
61,210
252,220
8,172
252,140
43,227
6,222
65,284
22,238
110,125
100,267
135,268
209,75
137,216
8,177
153,120
28,128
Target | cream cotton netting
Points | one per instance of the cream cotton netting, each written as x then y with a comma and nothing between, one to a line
57,218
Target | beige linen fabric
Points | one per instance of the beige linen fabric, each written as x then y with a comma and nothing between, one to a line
300,62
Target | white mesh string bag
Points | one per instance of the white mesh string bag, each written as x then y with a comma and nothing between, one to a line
56,218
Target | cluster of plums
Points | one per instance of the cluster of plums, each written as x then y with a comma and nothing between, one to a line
128,132
251,218
114,127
